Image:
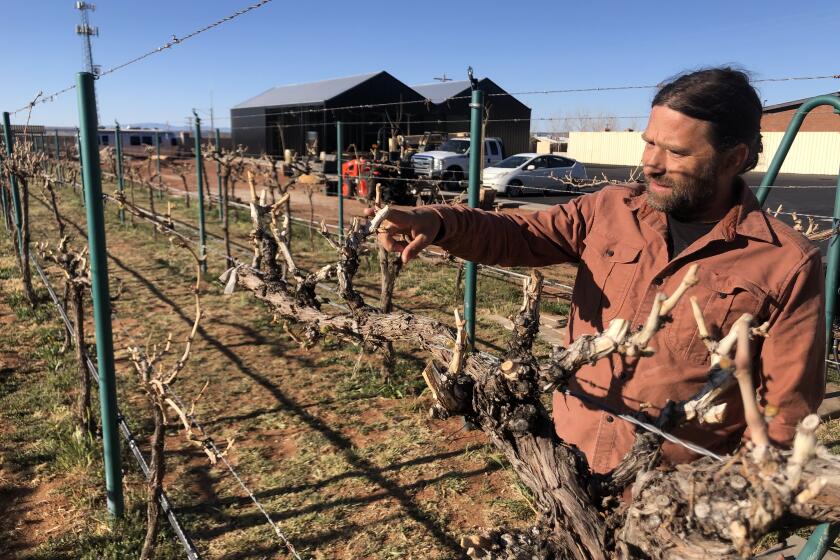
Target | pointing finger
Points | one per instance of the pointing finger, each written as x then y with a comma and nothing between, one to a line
413,249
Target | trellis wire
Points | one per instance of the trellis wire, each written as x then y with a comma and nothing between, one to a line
208,442
175,40
585,398
312,225
427,101
627,418
192,553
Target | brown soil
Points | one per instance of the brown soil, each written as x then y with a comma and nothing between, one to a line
31,508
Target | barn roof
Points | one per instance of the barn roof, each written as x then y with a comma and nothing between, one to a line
439,92
311,93
791,104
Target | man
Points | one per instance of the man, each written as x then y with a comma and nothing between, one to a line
632,241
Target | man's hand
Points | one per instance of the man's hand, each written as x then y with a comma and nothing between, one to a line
407,232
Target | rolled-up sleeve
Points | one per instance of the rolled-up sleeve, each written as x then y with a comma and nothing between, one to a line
793,356
539,238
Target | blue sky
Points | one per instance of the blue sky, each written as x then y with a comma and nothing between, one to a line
527,46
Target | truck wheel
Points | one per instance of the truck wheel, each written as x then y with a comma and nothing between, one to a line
453,178
514,189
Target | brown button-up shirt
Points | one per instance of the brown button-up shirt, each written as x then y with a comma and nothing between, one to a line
748,263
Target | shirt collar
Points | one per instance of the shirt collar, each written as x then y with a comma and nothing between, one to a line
744,218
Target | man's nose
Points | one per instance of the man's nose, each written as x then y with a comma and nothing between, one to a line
653,160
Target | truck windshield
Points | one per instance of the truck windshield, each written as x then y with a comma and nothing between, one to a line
512,161
457,146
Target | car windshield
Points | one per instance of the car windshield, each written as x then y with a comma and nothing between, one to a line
457,146
512,161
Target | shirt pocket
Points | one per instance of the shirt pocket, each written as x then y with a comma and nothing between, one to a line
612,266
723,299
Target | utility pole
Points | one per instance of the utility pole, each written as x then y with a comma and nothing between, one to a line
212,122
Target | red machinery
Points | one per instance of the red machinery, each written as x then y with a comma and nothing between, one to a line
361,176
357,178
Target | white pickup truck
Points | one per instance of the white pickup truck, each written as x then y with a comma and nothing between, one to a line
450,161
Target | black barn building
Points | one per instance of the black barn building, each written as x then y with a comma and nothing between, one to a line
285,117
282,117
507,117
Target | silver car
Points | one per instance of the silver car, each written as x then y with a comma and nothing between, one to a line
524,173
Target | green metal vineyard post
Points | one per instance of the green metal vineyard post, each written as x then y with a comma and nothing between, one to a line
3,200
157,165
833,267
99,291
817,544
58,171
81,167
10,146
219,172
339,132
7,219
199,176
119,159
476,111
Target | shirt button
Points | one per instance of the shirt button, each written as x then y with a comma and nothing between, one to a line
610,252
610,418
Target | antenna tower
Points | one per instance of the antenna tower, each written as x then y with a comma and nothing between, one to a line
86,31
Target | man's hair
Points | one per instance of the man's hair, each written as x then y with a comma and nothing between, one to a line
724,98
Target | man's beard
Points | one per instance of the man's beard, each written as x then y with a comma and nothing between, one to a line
688,196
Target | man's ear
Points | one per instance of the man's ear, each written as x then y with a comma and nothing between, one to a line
736,158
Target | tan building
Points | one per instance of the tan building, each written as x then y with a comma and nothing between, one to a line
822,119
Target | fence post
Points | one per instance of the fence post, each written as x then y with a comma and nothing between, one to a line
13,186
199,176
99,291
219,172
81,167
3,199
58,171
339,131
476,141
119,169
157,165
7,218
